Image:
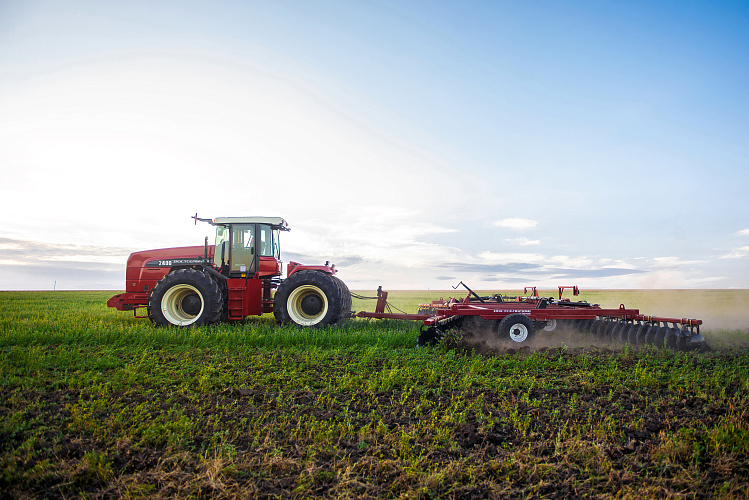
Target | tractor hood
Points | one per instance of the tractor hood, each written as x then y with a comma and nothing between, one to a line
145,268
168,257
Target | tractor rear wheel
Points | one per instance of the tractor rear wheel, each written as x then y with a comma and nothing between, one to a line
185,297
345,298
517,328
310,298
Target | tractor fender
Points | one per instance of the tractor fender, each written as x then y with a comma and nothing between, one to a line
294,267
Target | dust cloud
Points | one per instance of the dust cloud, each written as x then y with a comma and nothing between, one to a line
718,309
483,340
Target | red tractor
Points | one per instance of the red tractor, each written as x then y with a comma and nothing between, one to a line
230,280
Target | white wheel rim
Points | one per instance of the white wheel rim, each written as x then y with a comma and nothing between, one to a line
171,305
294,305
551,325
518,332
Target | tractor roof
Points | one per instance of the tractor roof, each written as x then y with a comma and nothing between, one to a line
272,221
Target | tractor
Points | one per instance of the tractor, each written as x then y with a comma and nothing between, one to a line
230,280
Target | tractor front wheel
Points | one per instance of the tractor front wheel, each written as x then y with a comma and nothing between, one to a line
310,298
517,328
185,298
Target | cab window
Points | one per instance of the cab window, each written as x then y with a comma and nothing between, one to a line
242,247
268,245
221,252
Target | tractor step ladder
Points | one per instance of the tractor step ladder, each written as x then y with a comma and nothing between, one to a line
234,308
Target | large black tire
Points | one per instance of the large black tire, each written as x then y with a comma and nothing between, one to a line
221,284
309,298
345,298
185,297
517,328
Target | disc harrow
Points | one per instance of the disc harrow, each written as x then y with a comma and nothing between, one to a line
517,319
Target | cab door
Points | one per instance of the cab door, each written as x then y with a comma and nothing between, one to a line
243,250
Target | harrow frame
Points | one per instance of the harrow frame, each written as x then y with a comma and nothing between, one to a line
545,312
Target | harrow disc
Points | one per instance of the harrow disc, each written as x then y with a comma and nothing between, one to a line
620,332
650,334
614,332
660,336
640,334
429,337
607,337
624,332
696,341
598,329
632,334
672,338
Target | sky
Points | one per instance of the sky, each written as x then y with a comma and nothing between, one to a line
415,144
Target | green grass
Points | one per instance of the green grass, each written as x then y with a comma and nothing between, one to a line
99,404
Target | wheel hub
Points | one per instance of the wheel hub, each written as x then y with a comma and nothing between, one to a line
518,332
182,304
192,304
311,305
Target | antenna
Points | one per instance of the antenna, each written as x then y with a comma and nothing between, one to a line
209,221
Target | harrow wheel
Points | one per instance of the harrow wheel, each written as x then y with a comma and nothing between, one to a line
517,328
185,297
551,325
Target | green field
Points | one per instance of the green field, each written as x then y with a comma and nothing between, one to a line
97,404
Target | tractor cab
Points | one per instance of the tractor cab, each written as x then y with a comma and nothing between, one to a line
248,246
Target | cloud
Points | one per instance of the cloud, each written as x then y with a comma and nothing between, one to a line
35,265
737,253
673,262
505,257
743,232
489,268
62,276
523,242
340,261
536,271
516,224
26,252
606,272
